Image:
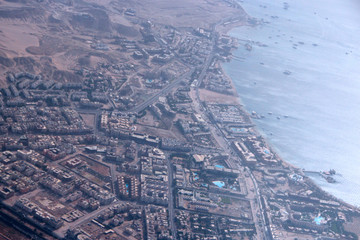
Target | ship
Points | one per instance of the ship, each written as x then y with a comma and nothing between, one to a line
327,175
248,47
286,6
287,72
330,179
255,115
330,172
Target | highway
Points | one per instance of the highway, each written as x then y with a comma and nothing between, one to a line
151,101
226,145
113,177
171,207
176,82
162,92
265,231
263,234
61,231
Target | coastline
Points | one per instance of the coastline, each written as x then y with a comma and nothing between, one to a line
160,137
237,96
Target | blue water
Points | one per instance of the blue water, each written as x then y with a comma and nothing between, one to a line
219,166
236,129
196,177
318,42
318,220
220,184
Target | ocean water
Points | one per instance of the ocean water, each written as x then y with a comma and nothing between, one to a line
318,43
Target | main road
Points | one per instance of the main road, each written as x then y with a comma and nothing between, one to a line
177,81
263,234
162,92
171,197
142,106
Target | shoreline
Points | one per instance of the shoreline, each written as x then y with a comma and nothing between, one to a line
148,136
237,96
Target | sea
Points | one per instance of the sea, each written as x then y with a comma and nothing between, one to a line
302,74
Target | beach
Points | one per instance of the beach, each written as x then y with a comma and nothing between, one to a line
293,78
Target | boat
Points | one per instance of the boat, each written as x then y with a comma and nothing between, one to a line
330,179
330,172
327,175
287,72
248,47
285,5
255,115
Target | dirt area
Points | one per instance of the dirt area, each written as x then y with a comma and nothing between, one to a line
50,203
188,13
149,120
95,170
7,233
210,96
353,226
155,131
62,32
89,119
97,167
15,38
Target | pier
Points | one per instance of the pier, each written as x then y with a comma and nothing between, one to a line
326,175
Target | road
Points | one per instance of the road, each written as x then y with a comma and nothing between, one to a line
263,233
162,92
61,231
174,83
226,145
258,197
171,197
113,176
4,237
152,100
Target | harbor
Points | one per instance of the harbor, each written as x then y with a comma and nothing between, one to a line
327,175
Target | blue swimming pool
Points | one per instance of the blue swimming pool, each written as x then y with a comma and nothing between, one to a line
220,184
237,130
319,220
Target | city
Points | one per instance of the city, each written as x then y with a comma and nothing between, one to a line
143,136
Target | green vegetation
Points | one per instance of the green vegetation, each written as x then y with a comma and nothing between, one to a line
225,200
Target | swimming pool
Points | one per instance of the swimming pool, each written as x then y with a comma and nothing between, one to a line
319,220
220,184
237,129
